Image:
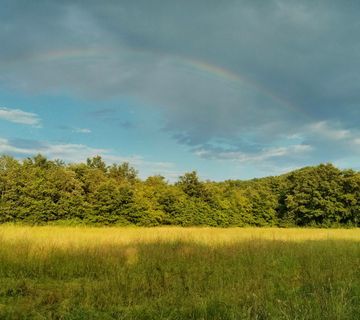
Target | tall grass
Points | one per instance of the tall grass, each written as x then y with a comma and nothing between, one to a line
179,273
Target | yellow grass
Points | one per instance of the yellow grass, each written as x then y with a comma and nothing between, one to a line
173,273
89,236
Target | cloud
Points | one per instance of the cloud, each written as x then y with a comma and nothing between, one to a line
250,74
306,144
19,116
331,141
330,132
74,129
67,152
79,152
324,129
262,156
82,130
112,116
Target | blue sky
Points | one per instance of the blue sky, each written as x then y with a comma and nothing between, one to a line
233,89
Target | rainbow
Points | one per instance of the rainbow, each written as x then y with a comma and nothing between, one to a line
203,67
237,79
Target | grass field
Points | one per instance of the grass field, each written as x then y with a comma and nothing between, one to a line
179,273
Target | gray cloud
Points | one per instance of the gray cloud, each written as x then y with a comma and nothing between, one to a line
294,65
112,116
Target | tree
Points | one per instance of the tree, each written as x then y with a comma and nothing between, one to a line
314,197
191,185
96,163
38,191
122,172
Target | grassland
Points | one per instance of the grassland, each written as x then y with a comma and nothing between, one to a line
179,273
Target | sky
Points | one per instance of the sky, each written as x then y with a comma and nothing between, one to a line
233,89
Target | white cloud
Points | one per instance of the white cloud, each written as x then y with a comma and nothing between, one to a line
263,155
67,152
19,116
329,131
80,152
82,130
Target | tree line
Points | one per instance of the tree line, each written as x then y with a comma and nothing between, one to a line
39,191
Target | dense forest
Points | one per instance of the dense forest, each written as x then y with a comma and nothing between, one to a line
39,191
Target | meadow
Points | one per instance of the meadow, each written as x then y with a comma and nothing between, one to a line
54,272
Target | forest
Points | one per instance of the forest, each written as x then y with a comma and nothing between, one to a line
39,191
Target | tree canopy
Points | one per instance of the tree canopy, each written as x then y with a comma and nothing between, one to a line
39,191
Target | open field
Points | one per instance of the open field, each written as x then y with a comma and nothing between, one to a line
179,273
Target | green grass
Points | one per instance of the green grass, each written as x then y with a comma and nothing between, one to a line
178,279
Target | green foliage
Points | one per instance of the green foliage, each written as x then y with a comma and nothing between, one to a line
191,185
38,191
322,196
